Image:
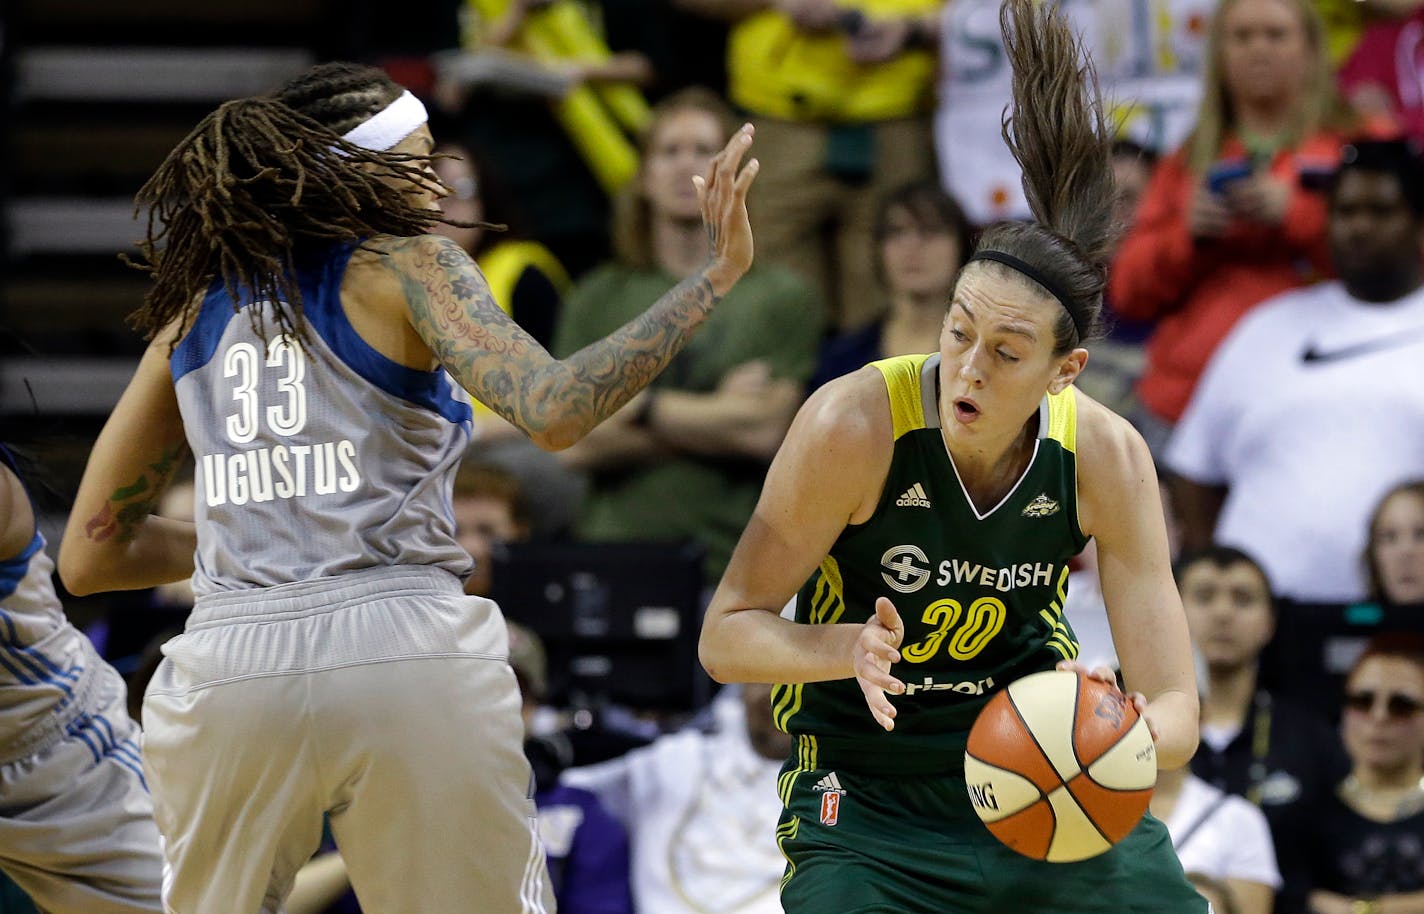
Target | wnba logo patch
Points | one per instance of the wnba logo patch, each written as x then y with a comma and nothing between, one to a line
829,787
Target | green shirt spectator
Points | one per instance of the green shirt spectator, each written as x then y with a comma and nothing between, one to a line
687,461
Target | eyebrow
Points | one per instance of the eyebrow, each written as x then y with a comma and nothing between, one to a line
1019,329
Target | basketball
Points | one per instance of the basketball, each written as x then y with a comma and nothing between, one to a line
1059,766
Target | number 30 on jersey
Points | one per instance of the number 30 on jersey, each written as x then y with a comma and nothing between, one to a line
983,620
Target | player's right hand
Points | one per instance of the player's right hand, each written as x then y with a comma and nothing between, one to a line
722,194
877,647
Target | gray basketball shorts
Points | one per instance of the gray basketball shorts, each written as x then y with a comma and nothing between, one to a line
77,832
380,698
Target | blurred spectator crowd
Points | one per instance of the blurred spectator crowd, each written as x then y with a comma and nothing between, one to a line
1266,338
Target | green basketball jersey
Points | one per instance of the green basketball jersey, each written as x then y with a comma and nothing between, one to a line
981,595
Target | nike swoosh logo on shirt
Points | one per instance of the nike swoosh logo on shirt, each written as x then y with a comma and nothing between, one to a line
1314,355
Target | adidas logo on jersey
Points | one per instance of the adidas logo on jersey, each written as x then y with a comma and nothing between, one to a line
829,782
914,497
1042,506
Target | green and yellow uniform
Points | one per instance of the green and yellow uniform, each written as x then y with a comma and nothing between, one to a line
880,821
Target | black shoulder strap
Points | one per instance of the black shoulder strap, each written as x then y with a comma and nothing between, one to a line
1205,817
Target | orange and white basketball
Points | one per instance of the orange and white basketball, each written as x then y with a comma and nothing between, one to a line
1060,766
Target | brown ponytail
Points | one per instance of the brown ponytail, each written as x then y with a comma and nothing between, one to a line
1057,132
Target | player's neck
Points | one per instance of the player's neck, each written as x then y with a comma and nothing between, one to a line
989,468
1228,695
679,246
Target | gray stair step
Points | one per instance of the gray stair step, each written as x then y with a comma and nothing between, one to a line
72,225
63,73
63,386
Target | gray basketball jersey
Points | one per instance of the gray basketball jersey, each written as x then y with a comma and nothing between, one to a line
42,656
314,458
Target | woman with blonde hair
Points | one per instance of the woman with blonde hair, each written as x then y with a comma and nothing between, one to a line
1394,555
686,460
1233,217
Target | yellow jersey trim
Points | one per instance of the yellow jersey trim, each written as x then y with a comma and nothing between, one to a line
828,600
1063,418
785,702
902,383
787,832
1059,638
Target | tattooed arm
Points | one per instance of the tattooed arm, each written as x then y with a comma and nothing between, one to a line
557,402
113,541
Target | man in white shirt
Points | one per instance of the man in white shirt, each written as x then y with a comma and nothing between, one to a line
1219,835
1313,407
701,811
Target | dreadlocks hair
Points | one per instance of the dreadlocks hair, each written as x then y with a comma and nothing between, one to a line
1058,134
263,179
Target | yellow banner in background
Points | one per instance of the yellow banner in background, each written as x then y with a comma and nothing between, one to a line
600,120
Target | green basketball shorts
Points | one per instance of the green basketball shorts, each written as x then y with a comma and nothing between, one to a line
913,845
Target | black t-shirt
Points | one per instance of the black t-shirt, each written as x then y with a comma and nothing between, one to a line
1344,852
1302,760
1301,763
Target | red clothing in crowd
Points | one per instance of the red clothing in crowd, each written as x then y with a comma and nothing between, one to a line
1196,290
1390,58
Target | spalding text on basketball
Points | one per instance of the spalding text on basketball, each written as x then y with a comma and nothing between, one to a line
982,796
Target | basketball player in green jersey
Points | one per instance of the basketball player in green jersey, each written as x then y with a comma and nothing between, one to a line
930,505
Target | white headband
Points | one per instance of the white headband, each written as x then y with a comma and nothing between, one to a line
390,125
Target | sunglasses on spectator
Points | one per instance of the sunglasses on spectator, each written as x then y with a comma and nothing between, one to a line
1396,705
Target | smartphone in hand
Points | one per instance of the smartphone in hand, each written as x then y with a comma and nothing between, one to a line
1223,174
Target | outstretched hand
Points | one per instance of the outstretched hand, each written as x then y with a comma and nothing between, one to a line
722,194
877,647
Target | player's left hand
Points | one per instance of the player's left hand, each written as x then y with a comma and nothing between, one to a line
1106,674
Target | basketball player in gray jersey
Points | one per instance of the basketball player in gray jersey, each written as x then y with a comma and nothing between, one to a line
304,331
76,823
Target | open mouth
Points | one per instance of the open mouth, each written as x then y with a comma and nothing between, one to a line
965,410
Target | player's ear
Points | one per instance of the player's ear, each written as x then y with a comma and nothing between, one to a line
1069,367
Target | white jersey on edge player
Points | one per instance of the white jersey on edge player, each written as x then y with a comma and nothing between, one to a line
76,823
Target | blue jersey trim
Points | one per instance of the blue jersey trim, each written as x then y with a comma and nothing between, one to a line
320,284
430,389
197,348
12,570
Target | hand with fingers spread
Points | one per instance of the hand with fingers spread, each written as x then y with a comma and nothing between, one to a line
1105,674
722,194
877,647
